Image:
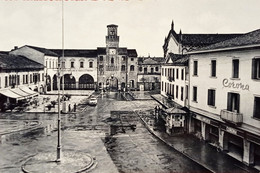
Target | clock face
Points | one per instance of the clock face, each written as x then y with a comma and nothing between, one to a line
112,51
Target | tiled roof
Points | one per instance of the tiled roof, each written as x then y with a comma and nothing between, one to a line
150,60
4,52
184,60
76,52
43,50
122,51
101,50
247,39
204,39
177,59
18,62
174,57
198,40
132,52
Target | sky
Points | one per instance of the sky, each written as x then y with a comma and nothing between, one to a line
142,24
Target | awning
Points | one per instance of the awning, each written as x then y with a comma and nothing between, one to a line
29,91
174,110
20,92
9,93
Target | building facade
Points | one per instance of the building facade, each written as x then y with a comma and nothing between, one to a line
111,67
117,66
19,78
149,73
45,57
225,96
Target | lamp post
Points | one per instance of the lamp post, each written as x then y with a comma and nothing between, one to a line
58,159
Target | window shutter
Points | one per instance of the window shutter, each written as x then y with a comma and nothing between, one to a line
238,102
229,102
213,97
209,97
254,69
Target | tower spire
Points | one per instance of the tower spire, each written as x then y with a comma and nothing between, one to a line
172,26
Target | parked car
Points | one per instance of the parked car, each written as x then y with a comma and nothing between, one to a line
92,101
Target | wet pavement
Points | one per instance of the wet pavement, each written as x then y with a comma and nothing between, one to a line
86,132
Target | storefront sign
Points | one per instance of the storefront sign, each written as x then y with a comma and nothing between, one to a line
231,130
236,85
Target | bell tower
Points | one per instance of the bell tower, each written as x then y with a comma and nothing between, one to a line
112,39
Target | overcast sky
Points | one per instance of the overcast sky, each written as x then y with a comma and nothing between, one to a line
142,24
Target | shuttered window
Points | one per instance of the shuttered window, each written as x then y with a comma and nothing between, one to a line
257,108
195,68
195,94
213,68
256,68
233,102
211,97
235,68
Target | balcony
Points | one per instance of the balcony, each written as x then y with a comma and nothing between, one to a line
232,117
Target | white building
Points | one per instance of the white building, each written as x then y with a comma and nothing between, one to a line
225,95
19,79
46,57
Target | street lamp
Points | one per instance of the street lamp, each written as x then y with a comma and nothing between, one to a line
59,69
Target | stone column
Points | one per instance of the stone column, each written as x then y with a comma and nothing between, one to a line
204,131
191,124
223,141
77,84
248,155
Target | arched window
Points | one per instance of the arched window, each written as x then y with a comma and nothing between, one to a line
112,60
156,68
132,68
123,68
140,69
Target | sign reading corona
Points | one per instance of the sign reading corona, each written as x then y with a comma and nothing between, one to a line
235,85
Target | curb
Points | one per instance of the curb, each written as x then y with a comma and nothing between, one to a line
88,167
159,102
172,146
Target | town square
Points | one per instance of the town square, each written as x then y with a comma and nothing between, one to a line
129,86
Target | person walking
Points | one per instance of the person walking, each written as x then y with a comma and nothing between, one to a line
69,108
75,107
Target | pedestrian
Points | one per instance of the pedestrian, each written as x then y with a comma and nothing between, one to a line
69,108
75,107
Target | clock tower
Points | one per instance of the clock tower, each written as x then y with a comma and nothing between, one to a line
112,40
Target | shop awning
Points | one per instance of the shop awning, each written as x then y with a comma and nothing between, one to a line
20,92
9,93
174,110
28,91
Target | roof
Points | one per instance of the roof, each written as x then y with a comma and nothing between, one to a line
101,50
174,110
150,60
251,38
43,50
76,52
131,52
204,39
112,25
18,62
198,40
182,61
4,52
177,59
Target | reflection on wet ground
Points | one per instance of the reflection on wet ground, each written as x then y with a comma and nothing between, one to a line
129,150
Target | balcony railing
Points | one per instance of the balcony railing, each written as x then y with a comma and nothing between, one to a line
233,117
